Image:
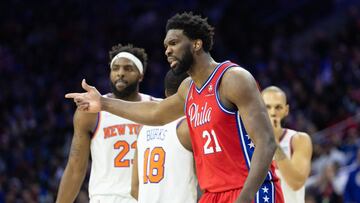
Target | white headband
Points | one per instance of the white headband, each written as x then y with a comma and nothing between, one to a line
131,57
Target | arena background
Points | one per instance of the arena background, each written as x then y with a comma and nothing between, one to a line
311,48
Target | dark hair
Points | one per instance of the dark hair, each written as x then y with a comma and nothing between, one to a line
194,27
136,51
172,81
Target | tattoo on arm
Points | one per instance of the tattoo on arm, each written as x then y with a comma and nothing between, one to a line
75,147
74,151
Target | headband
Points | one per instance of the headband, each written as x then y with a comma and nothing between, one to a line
131,57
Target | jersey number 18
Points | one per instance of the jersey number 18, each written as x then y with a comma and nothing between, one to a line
154,165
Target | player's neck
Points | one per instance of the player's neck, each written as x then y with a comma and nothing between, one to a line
135,96
278,132
203,66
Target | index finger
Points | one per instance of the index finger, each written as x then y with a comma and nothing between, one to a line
72,95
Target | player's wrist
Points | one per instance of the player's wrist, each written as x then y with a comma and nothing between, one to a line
246,196
103,103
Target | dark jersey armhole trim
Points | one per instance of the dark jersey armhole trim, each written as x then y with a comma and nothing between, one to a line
179,123
291,145
217,84
97,126
187,98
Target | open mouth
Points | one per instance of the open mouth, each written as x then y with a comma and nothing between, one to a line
120,83
172,61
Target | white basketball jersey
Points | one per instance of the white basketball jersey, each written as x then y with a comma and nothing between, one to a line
112,152
290,196
165,167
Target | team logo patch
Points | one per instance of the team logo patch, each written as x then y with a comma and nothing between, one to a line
191,95
210,88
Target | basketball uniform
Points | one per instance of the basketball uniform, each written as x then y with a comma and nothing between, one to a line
112,151
165,167
289,194
222,148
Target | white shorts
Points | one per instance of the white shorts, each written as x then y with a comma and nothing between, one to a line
111,199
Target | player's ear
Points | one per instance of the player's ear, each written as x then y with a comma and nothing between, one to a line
197,45
141,77
287,109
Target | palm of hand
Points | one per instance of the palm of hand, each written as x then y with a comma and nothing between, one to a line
91,101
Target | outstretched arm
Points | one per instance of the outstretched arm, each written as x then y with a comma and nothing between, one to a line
296,169
75,170
148,113
239,88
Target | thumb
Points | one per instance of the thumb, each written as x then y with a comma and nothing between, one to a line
85,86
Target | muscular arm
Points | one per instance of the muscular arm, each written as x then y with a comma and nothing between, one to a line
75,170
135,178
239,88
148,113
297,169
183,135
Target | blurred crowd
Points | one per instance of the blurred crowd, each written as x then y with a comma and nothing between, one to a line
47,47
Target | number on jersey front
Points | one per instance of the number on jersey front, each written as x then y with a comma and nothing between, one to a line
154,162
124,146
208,148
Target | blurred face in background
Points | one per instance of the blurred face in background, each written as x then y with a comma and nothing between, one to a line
178,49
124,78
276,106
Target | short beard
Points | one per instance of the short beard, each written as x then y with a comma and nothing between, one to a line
185,62
130,89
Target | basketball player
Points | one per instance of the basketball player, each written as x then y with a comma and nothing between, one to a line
226,115
293,154
164,161
109,138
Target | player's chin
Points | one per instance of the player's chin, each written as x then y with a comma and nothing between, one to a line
177,70
120,89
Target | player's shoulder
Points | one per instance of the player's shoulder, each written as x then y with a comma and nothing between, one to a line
302,134
85,120
146,97
237,73
184,87
186,82
301,137
85,116
237,83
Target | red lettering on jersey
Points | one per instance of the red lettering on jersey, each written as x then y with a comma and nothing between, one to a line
107,132
118,130
134,129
